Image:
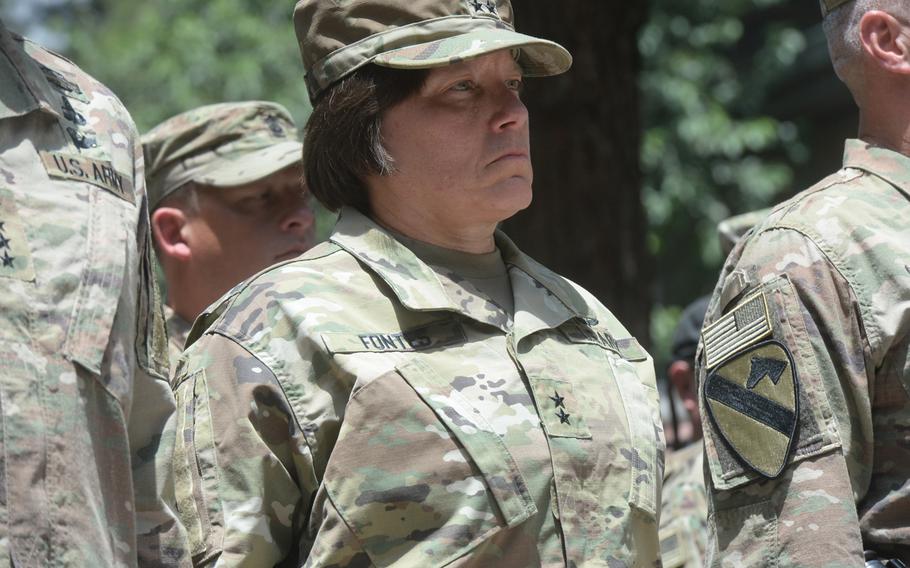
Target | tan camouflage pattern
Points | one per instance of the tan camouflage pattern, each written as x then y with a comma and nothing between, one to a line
177,331
357,407
684,509
337,38
220,145
834,264
86,478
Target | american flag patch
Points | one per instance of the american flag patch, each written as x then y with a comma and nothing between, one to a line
746,324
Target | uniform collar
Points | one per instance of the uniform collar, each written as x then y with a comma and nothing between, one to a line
543,299
27,89
177,328
889,165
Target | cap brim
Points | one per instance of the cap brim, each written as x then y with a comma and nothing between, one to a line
253,166
537,57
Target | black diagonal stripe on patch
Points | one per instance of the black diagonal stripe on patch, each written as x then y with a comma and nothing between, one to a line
751,404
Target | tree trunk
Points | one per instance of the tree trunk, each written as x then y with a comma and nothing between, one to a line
587,221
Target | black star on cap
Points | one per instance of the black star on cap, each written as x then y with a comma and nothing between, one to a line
563,417
558,400
273,124
4,242
488,6
7,259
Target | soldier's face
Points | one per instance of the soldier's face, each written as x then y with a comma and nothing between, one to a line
240,230
460,144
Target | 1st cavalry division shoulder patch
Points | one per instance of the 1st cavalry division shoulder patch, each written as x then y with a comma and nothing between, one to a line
752,388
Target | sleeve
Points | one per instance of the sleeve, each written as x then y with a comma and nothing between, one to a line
160,538
804,513
245,479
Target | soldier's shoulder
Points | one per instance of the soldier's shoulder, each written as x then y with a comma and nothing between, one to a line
77,83
848,194
258,302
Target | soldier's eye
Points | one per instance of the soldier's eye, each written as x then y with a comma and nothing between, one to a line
463,86
515,84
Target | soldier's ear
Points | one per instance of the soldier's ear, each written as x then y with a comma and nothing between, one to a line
886,41
168,229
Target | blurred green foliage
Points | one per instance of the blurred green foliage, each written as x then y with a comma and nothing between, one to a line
166,56
708,149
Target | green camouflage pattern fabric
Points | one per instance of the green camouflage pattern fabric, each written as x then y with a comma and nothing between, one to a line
177,331
337,38
357,407
684,509
86,478
220,145
834,266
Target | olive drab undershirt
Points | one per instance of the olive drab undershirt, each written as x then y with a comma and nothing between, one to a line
86,477
358,407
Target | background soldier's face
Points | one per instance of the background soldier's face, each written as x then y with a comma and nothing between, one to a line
240,230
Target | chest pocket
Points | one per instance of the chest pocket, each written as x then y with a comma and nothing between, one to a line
107,252
633,387
417,473
640,401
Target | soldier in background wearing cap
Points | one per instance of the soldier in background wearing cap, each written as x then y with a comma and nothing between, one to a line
805,354
225,187
416,391
86,412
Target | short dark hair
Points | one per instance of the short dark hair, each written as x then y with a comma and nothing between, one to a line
343,137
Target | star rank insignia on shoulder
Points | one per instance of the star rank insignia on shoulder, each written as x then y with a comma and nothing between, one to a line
751,390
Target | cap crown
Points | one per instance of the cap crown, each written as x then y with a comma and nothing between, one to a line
182,147
324,27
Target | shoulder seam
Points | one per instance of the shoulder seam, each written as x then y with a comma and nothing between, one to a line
834,260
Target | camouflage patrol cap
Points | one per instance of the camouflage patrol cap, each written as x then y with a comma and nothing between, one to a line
221,145
829,6
337,37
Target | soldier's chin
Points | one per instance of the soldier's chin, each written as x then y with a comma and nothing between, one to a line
508,197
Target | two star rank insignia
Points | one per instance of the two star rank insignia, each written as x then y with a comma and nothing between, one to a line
15,258
560,403
484,7
753,401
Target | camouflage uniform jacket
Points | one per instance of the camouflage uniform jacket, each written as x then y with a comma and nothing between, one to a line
833,268
81,333
684,509
356,407
177,331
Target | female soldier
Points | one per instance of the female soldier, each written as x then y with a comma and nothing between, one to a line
416,391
